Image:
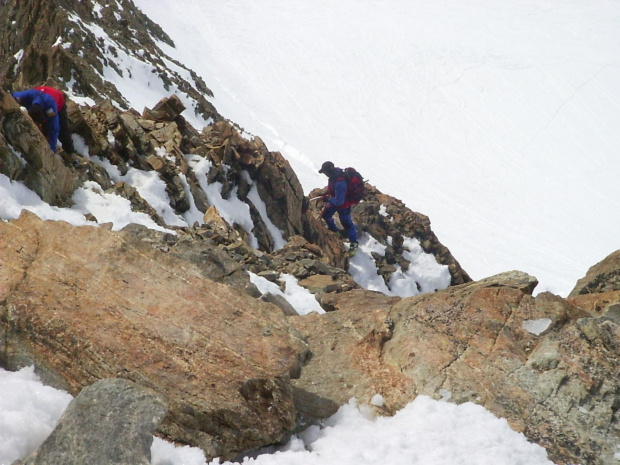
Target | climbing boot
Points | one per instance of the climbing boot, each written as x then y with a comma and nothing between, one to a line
353,249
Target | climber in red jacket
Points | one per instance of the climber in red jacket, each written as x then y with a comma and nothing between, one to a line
64,135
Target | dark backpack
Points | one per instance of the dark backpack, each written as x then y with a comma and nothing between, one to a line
355,185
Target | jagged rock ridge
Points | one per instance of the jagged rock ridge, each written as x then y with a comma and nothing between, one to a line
160,140
82,46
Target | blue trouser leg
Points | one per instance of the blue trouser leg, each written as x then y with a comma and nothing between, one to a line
347,224
328,214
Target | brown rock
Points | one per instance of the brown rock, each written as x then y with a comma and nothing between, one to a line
86,303
595,304
558,385
602,277
167,109
346,361
320,283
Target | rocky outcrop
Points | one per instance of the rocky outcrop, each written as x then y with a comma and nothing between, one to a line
389,221
109,422
602,277
160,310
54,43
86,303
26,156
547,366
63,41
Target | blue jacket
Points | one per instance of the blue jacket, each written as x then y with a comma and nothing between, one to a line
337,189
27,98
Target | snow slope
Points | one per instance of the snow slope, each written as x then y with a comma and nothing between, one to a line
497,119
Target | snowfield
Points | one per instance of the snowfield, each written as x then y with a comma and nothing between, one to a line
497,119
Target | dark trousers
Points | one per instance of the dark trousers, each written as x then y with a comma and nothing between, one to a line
64,136
344,214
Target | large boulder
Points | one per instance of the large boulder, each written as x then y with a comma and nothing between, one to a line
109,423
547,366
86,303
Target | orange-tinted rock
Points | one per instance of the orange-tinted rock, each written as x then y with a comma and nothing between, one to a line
86,303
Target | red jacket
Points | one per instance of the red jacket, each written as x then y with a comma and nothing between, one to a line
57,95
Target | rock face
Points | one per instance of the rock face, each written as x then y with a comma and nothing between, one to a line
84,304
161,141
109,422
60,41
547,366
602,277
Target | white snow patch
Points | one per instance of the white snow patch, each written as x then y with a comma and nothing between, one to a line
29,411
537,327
300,298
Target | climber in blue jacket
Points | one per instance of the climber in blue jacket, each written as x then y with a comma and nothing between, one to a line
42,109
336,201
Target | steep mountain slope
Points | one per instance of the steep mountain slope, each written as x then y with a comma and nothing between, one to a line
90,49
97,53
175,308
498,120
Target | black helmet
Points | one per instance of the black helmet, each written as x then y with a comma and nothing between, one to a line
327,167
